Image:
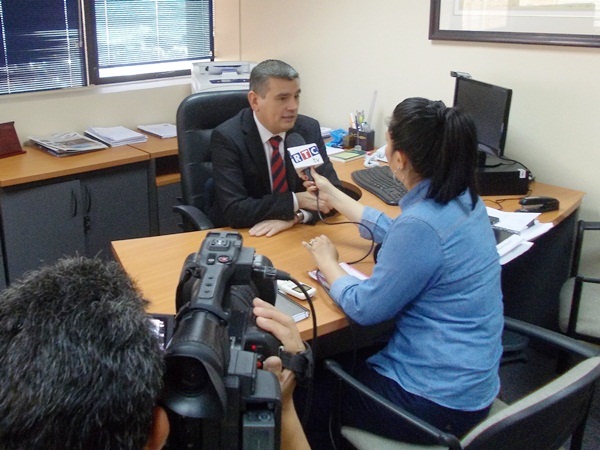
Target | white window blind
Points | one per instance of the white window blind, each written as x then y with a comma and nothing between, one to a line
40,46
150,36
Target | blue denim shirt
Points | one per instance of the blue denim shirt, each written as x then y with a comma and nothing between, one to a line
438,276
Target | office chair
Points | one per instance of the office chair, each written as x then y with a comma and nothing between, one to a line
197,115
543,419
579,297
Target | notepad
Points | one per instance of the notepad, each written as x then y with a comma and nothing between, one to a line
161,130
293,309
348,268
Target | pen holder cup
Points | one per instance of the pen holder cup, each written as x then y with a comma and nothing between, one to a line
349,140
366,139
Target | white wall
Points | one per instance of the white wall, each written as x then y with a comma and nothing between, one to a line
346,50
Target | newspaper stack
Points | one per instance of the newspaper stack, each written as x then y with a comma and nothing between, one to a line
63,144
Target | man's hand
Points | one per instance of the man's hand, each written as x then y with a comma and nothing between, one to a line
270,227
308,200
279,325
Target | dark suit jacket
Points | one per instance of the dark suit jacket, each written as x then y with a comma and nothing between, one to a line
243,194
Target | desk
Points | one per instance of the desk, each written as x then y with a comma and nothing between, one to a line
155,263
164,189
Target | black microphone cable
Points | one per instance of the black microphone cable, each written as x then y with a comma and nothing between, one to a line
347,222
274,274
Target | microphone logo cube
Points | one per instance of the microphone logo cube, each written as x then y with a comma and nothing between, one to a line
304,156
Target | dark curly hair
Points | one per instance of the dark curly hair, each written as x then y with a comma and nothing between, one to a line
80,367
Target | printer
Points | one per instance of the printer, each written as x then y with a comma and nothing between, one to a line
221,75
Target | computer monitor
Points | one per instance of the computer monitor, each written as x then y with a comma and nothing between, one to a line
489,107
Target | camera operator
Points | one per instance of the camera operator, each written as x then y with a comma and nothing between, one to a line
80,367
283,327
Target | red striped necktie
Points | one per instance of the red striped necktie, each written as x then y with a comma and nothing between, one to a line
277,167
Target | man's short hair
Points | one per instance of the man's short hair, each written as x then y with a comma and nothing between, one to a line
270,68
80,367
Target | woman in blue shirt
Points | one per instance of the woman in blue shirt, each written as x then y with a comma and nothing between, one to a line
437,276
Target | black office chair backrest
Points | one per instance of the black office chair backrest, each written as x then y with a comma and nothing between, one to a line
197,115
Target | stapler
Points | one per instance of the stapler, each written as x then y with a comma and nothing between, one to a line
538,204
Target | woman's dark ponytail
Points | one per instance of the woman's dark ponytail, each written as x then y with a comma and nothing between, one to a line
441,144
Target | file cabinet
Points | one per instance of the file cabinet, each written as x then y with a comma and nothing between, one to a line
77,213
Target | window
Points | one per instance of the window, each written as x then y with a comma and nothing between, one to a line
40,45
147,38
42,41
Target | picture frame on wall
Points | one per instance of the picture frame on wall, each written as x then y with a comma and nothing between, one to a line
543,22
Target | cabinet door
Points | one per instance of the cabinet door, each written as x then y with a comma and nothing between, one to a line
115,207
41,224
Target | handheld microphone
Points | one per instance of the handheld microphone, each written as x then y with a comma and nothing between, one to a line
303,155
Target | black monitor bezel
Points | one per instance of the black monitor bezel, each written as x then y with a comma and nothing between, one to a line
496,149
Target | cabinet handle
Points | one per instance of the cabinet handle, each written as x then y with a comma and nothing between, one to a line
73,203
88,199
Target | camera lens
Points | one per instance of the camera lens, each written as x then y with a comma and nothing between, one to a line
186,375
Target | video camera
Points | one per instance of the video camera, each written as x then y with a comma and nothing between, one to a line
215,396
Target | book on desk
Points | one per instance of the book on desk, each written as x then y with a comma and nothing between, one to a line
347,155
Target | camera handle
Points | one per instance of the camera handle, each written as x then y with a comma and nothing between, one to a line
302,364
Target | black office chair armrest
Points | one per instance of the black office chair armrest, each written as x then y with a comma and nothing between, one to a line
559,340
589,225
434,433
194,217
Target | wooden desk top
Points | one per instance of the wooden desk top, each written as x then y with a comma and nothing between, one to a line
37,165
157,147
156,262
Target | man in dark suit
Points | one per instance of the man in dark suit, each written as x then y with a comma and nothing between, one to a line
248,191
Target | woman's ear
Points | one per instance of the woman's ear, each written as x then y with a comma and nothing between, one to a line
159,431
399,160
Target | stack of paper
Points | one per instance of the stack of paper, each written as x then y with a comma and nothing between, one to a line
114,136
71,143
515,231
513,222
162,130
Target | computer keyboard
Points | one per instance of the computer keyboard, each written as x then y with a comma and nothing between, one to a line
379,181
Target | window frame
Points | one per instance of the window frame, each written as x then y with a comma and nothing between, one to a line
92,59
89,54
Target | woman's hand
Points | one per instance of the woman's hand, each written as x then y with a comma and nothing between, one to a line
322,249
326,257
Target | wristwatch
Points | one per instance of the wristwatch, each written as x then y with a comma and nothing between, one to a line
299,216
302,363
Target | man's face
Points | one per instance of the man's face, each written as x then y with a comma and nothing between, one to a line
278,109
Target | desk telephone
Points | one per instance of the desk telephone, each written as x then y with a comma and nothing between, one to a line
371,160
